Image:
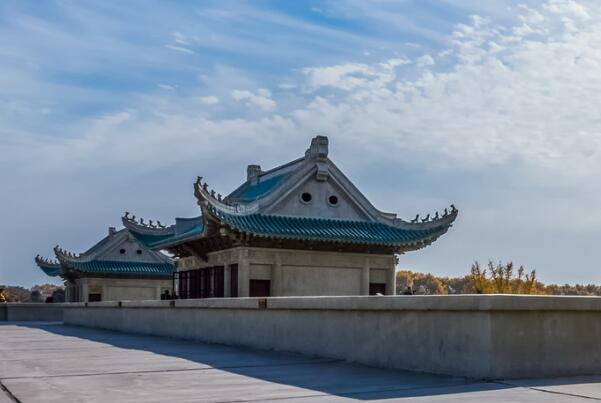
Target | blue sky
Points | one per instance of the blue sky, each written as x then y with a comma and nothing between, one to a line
114,106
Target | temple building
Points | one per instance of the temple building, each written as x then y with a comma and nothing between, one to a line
119,267
299,229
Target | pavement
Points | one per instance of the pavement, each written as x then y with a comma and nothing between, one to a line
51,362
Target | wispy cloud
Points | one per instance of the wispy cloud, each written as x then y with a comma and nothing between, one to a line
262,98
180,49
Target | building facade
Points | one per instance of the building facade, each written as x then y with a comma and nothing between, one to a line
119,267
299,229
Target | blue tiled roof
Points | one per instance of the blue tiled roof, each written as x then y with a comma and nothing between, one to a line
50,270
116,267
328,229
155,241
250,192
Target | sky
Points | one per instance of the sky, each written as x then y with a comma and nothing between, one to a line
492,106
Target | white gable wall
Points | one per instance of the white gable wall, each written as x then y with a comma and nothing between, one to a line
292,204
131,248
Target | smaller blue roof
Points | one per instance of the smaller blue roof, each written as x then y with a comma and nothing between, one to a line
52,268
116,267
154,241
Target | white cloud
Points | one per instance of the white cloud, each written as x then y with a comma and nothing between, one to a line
287,86
209,100
180,49
262,98
350,76
425,60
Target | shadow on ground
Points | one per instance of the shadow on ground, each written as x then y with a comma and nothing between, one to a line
301,373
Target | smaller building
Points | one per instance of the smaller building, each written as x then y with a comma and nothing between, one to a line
119,267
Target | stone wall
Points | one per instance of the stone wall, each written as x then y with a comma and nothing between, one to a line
34,312
481,336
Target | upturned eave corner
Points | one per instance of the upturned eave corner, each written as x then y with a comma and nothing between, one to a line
150,227
446,219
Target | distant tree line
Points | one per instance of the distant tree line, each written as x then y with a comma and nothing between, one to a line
37,293
500,278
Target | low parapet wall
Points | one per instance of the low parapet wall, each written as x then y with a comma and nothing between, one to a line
481,336
33,312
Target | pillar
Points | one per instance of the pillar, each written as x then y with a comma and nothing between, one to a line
365,277
391,279
84,290
243,273
227,279
276,275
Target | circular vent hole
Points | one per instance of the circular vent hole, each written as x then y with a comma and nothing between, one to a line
122,251
333,200
139,251
306,197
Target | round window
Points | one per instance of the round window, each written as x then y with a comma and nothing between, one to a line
306,197
122,251
139,251
333,200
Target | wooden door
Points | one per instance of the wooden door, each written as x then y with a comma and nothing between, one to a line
259,288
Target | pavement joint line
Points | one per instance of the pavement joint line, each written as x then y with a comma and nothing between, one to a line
410,388
171,370
8,393
554,392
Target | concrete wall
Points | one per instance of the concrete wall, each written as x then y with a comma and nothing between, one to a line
482,336
301,272
34,312
116,289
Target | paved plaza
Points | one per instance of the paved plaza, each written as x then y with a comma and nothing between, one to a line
51,362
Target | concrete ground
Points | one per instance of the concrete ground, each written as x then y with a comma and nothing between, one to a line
51,362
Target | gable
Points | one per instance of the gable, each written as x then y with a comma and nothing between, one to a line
128,249
318,198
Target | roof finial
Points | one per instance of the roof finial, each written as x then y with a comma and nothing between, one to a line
446,213
126,215
318,148
436,216
427,218
252,173
416,219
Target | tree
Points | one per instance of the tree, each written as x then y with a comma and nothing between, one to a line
4,295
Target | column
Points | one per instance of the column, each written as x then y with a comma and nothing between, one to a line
391,279
227,279
365,277
243,273
84,290
158,292
276,275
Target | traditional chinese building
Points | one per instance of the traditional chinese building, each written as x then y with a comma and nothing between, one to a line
301,228
119,267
